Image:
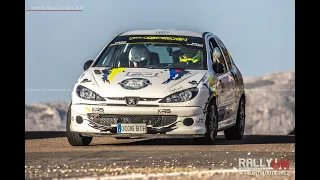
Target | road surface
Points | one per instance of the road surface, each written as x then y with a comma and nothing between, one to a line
109,158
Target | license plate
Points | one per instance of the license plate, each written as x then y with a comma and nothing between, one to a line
132,128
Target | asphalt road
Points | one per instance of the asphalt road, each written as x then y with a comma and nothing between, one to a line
109,158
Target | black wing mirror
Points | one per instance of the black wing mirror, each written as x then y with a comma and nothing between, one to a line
87,64
218,68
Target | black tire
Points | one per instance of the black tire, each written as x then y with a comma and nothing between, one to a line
236,131
76,139
211,125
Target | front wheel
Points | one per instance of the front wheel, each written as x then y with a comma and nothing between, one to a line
76,139
236,132
211,125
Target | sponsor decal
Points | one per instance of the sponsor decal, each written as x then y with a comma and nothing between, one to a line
134,83
176,89
164,111
109,73
119,42
195,44
175,74
97,110
162,32
142,74
165,38
88,109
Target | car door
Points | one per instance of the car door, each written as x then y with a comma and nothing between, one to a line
225,96
232,76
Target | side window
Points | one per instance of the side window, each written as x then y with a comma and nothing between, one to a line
225,53
216,54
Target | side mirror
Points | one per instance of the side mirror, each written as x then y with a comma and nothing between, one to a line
218,68
87,64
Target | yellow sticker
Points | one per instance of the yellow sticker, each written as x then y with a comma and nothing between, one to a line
212,87
88,109
188,59
114,72
109,73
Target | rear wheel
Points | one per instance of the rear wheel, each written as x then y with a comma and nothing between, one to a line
211,125
236,132
76,139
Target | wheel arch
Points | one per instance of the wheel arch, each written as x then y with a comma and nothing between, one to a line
211,99
244,98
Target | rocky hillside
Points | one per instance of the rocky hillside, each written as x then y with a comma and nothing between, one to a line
49,116
270,107
270,103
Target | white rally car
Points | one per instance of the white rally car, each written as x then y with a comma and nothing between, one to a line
158,83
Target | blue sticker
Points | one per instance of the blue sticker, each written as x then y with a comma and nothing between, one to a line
119,128
175,72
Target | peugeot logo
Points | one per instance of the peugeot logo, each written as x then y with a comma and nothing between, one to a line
132,101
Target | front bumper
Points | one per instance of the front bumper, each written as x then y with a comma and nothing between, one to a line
96,120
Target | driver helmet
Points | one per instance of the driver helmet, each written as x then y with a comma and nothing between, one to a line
139,54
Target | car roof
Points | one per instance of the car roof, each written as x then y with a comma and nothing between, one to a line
177,32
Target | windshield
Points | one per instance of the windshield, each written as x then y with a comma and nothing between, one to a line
156,52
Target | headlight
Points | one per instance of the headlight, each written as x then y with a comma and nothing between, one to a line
182,96
88,94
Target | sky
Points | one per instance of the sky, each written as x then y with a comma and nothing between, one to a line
259,34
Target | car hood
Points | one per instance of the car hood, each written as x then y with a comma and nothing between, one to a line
142,82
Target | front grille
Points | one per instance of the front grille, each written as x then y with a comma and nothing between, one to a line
116,98
154,120
140,99
138,105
